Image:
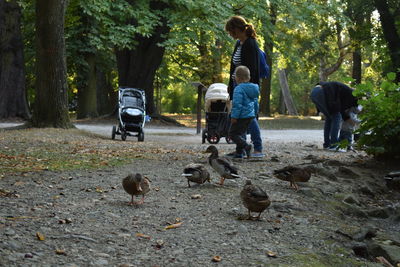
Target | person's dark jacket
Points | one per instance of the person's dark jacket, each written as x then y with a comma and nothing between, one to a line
249,58
339,97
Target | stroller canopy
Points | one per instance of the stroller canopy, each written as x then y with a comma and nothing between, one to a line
132,98
217,93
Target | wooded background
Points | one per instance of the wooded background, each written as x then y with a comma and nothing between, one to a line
59,56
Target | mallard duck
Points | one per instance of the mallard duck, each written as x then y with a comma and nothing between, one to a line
294,174
196,173
221,165
254,198
136,184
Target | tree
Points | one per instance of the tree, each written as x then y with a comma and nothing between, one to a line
137,66
391,30
51,104
13,102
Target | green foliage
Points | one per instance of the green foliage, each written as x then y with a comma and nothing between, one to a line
380,127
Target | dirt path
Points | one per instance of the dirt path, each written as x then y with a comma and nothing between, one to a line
84,220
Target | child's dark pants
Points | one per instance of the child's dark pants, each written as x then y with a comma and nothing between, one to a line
236,132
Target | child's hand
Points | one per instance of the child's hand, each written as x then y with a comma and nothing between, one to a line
233,120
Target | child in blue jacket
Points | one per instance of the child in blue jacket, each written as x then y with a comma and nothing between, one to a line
244,109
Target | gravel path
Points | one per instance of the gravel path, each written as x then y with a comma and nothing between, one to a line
81,218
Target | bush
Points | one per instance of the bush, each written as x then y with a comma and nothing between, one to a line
380,126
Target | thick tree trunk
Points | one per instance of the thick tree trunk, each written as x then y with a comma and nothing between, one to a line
106,97
265,90
391,34
13,101
87,93
286,93
356,71
51,103
137,67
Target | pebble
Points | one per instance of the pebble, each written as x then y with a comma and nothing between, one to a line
101,262
9,232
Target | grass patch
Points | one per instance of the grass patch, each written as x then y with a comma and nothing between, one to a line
60,149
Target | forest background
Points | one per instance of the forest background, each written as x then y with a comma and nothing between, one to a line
58,57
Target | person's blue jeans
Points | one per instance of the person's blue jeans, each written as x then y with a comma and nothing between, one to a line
346,135
332,121
255,135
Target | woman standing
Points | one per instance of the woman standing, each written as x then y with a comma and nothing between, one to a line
246,53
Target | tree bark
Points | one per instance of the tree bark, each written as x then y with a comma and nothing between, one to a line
106,96
87,93
13,101
356,70
286,93
51,103
137,67
391,34
325,70
265,90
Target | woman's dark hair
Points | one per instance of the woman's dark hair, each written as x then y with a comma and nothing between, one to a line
238,22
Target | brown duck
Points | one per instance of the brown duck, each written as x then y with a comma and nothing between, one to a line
221,165
294,174
254,199
196,173
135,185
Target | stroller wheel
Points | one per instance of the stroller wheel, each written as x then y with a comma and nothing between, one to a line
114,130
229,140
213,139
123,135
203,136
141,136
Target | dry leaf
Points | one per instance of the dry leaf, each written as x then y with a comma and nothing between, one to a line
271,254
173,226
143,236
216,259
196,196
40,236
99,190
60,252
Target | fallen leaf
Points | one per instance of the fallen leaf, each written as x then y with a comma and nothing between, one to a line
18,183
40,236
271,254
216,259
196,196
99,190
60,252
143,236
173,226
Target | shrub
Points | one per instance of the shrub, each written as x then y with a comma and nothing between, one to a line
380,126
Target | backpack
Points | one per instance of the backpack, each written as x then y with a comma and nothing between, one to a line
264,68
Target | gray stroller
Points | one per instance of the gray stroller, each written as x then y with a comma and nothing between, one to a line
131,113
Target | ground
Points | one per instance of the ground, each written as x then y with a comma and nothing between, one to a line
62,203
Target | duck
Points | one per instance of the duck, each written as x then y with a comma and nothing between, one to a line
221,165
254,198
197,173
294,174
135,185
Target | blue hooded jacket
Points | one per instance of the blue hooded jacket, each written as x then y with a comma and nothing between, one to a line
245,101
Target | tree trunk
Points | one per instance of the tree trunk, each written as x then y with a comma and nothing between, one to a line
286,93
87,93
391,34
137,67
13,101
265,90
51,102
356,71
106,97
325,70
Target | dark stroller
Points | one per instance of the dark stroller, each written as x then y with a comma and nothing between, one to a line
217,107
131,113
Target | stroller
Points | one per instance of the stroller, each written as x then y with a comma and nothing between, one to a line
217,107
131,113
